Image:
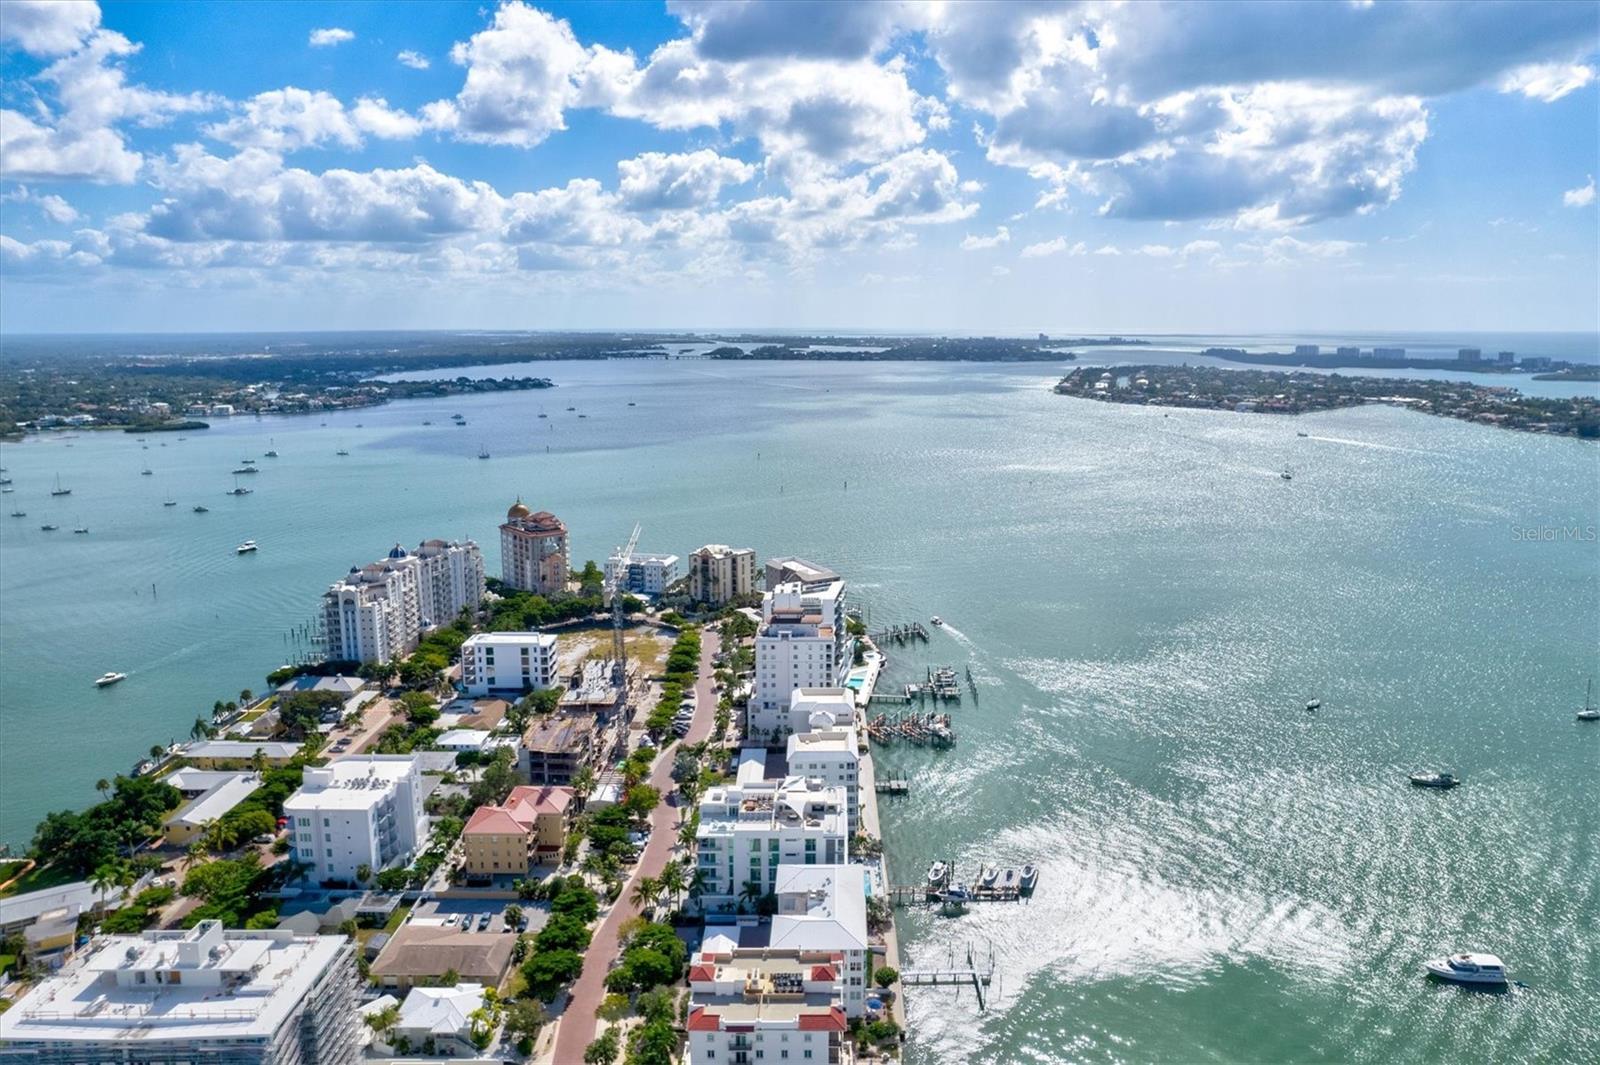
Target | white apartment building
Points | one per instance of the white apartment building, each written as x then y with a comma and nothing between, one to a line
748,829
832,756
362,810
802,643
820,709
719,573
643,572
205,996
822,909
772,1011
508,662
378,611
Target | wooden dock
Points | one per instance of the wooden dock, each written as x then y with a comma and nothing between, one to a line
900,634
912,727
893,784
957,975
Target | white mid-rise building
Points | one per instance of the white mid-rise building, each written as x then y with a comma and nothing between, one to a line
820,709
508,662
378,611
207,996
747,830
365,810
802,643
823,909
832,756
643,572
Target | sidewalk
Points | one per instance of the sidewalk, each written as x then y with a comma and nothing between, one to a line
576,1026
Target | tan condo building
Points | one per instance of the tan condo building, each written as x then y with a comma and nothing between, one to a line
533,551
719,573
503,839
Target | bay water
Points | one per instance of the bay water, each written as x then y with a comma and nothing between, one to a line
1145,603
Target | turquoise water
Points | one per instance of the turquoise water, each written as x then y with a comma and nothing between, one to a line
1146,604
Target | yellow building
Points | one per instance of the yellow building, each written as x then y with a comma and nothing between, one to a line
500,840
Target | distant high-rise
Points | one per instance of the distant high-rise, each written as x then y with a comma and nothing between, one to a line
1307,349
379,611
533,551
1388,353
1348,352
1470,355
1506,358
719,573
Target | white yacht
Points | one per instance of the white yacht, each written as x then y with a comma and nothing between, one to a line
1435,780
106,679
246,547
1469,968
938,872
937,620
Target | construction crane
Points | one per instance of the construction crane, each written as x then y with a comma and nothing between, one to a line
616,582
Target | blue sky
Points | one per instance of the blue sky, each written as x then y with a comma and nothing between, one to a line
963,167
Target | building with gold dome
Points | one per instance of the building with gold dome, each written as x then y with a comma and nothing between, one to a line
533,551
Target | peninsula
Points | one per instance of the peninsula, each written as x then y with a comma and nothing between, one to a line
1292,392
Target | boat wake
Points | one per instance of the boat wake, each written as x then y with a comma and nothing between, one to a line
958,634
1380,447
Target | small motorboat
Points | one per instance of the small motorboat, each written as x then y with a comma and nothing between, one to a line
48,528
246,547
1314,704
987,877
1009,881
81,530
146,472
6,491
938,873
5,480
457,417
1590,712
248,462
955,893
246,469
937,620
462,424
201,510
1469,968
1302,434
543,415
631,403
572,408
341,452
1286,475
1030,876
19,513
106,679
239,491
1434,780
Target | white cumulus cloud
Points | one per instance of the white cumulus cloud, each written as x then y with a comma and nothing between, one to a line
1582,196
329,36
1001,235
414,60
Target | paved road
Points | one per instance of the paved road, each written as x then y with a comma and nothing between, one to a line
577,1020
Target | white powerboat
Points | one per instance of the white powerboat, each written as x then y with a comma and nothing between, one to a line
246,547
1483,969
1434,780
986,878
1008,881
1314,704
937,620
938,872
1030,876
106,679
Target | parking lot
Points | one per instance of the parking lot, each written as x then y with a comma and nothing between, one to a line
478,915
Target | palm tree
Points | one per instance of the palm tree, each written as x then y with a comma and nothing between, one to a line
157,752
751,893
673,882
104,878
245,695
583,782
197,852
646,890
258,761
218,709
103,786
200,730
697,884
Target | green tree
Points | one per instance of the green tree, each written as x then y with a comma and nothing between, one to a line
673,881
547,972
886,976
750,892
603,1051
646,890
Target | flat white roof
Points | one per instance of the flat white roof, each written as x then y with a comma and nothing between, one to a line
474,738
820,907
509,639
840,741
84,1003
353,783
241,749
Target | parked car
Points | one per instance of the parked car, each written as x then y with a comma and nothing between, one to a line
483,921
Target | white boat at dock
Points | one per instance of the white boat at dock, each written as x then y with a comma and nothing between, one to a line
986,878
1469,968
1009,882
107,679
938,873
1030,876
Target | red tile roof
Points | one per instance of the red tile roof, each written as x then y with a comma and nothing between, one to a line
702,972
832,1021
701,1021
824,972
521,809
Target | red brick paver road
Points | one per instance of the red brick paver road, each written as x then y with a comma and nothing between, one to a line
578,1019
